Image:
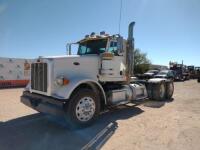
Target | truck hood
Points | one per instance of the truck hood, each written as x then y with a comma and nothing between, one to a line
69,67
61,56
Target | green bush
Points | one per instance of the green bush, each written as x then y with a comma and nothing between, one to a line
141,62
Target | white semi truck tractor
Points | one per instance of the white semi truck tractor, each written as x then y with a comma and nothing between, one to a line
99,77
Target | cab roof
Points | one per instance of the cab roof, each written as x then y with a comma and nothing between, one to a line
93,38
97,37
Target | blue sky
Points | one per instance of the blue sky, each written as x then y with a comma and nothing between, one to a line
165,29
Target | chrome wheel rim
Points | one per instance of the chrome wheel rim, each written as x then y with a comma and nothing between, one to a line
162,90
85,109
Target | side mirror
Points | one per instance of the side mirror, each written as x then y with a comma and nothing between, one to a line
68,48
120,45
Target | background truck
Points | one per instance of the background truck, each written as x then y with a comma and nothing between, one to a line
191,71
194,72
197,73
100,76
180,71
198,79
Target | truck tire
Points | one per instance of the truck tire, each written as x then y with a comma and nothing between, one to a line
158,91
150,90
169,89
198,80
83,109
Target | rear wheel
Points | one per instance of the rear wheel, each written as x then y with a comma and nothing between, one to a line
82,109
158,91
150,90
169,89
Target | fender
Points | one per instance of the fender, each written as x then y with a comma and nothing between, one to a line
64,92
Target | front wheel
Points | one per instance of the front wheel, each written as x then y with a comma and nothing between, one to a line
83,108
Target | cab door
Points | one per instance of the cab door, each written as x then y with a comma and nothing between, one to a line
113,66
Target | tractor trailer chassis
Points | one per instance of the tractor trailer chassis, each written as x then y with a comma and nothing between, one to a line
83,86
56,107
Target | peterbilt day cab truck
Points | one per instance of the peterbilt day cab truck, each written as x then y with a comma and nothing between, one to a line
100,76
179,71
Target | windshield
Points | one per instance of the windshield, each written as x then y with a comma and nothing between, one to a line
92,47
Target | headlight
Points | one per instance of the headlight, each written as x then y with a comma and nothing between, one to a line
61,81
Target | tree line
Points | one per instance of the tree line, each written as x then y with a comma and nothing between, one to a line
141,62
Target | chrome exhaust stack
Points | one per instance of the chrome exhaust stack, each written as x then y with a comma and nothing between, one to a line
130,52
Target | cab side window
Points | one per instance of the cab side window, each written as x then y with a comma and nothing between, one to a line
113,47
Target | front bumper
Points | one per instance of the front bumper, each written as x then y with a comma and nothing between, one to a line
43,104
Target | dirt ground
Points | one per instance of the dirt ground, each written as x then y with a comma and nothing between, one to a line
171,125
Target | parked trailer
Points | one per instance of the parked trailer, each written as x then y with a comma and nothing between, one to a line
97,78
14,72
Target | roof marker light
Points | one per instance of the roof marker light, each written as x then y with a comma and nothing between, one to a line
102,33
92,34
87,36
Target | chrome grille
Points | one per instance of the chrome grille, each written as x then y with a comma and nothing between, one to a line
39,76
